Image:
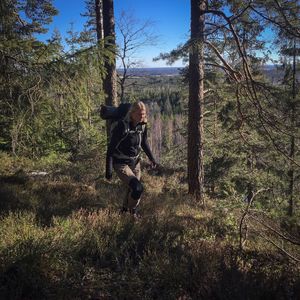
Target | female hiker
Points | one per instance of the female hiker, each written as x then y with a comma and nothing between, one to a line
128,138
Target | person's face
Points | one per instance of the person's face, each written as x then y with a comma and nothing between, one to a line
138,115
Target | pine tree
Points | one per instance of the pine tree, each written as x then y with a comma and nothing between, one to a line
110,81
21,58
196,101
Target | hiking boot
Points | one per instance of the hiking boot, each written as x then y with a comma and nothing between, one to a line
123,210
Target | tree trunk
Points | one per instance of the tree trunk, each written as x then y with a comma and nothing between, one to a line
292,139
110,81
196,101
99,19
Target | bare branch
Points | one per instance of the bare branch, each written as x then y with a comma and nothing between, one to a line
232,18
246,212
290,29
135,35
280,248
281,235
235,74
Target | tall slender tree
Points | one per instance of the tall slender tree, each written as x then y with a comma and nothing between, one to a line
196,100
110,81
291,51
292,138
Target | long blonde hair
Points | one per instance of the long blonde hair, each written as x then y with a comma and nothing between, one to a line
139,105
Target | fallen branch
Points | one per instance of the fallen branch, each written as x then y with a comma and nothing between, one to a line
276,231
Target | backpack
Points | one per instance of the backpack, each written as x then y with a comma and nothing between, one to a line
115,114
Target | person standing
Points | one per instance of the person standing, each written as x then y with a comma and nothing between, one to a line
128,139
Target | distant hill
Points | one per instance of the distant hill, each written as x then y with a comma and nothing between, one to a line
141,72
271,71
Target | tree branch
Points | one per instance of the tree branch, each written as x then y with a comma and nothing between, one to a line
246,212
289,29
235,74
280,248
295,242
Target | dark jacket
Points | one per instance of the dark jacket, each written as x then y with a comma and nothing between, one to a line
126,144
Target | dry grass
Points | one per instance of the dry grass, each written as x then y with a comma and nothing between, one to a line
64,239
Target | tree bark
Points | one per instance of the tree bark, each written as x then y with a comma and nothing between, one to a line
196,101
110,81
291,172
99,19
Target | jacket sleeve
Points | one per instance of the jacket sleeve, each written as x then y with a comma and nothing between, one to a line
145,146
114,140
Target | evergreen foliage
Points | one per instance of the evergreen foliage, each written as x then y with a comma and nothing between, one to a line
49,98
61,235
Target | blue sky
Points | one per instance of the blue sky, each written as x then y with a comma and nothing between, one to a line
171,20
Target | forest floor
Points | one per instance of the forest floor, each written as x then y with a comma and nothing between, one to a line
62,237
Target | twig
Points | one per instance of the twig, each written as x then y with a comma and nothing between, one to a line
250,201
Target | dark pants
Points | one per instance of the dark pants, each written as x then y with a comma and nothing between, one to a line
130,176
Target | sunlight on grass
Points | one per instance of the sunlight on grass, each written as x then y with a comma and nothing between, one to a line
60,234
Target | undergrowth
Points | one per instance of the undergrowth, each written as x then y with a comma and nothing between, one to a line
62,238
